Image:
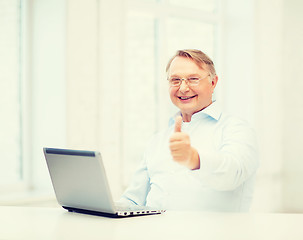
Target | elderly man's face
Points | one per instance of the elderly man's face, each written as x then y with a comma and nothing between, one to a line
190,99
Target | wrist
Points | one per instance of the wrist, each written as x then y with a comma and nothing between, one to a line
194,160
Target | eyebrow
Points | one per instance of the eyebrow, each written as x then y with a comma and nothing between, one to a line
188,76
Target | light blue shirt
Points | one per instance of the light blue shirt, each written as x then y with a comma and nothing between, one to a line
228,162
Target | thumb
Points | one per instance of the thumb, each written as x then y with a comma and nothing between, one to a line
178,124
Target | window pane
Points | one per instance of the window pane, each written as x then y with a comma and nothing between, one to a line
10,146
204,5
139,92
185,34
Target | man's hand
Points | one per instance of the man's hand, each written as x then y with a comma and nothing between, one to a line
181,149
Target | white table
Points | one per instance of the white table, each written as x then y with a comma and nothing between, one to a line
57,223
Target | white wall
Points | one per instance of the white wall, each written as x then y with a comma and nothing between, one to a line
291,93
279,101
269,116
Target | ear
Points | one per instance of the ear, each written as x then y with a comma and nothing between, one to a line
214,81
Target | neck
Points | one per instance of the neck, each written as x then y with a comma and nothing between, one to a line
187,116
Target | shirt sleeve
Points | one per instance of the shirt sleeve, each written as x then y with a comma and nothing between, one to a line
139,187
234,161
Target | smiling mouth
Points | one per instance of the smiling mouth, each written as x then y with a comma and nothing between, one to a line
186,98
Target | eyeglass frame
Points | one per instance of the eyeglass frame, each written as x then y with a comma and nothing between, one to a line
187,80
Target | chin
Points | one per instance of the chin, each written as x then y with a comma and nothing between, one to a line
187,111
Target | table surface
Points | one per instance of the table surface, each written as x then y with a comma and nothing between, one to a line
57,223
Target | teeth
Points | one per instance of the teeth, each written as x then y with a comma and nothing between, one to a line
184,98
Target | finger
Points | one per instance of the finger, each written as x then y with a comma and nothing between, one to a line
177,136
178,124
173,146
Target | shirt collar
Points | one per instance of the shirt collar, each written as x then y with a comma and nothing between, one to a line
213,110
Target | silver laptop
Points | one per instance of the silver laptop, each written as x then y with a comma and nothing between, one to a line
80,184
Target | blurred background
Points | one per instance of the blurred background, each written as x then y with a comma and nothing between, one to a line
90,74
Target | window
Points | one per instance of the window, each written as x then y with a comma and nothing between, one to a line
10,97
154,30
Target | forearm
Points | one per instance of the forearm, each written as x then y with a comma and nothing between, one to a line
224,171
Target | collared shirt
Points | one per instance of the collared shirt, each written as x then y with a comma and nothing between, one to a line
228,162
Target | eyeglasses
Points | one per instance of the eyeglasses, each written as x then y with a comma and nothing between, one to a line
192,81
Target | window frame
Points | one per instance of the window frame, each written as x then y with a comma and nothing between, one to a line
21,183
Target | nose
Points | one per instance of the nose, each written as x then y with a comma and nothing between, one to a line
184,87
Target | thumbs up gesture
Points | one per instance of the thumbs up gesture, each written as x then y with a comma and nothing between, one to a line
181,149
